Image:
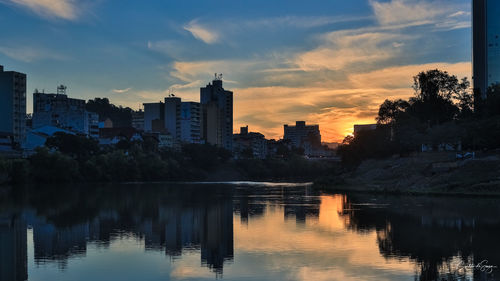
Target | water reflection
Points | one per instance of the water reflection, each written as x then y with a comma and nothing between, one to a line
242,232
440,234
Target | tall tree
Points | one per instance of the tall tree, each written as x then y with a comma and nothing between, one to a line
121,116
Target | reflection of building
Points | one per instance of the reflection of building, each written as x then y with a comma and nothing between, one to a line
60,111
59,243
307,137
248,144
217,117
13,105
486,44
217,235
13,249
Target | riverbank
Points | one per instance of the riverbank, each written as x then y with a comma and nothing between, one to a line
116,167
432,173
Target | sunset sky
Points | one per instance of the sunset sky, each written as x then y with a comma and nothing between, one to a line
330,62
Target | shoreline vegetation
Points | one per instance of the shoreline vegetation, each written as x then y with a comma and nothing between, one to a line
76,159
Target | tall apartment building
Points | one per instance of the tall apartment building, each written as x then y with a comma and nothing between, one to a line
181,120
13,105
190,119
303,136
59,110
172,116
153,112
485,44
217,114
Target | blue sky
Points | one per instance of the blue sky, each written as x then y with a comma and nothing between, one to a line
328,62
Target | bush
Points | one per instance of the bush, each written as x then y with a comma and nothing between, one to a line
50,167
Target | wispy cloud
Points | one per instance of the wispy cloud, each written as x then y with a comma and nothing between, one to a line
121,91
201,32
298,21
30,54
63,9
341,49
403,13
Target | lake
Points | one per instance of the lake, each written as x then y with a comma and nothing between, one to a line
242,231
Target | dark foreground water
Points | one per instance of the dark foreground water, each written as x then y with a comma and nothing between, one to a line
243,232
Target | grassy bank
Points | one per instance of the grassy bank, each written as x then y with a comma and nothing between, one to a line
432,173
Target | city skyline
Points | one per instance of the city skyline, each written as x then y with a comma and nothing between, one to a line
330,64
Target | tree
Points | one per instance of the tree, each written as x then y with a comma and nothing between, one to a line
78,147
434,91
121,116
389,111
435,84
465,98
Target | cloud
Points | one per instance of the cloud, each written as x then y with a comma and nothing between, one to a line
64,9
341,49
201,33
30,54
405,13
121,91
298,21
338,79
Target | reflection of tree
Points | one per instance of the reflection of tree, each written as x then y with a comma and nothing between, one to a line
437,233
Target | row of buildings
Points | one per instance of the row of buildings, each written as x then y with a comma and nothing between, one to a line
208,121
170,122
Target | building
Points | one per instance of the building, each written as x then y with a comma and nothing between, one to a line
485,44
307,137
112,136
217,114
59,110
12,105
138,120
364,127
92,124
249,144
172,116
153,111
38,137
190,121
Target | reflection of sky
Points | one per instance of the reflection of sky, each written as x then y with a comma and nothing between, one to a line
327,62
268,247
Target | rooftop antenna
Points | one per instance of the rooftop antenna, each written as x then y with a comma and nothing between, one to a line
61,90
171,92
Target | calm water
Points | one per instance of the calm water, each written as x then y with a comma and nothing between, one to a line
242,232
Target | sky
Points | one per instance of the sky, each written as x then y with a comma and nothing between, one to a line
327,62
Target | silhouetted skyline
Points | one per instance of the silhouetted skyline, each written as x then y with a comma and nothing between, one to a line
330,63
